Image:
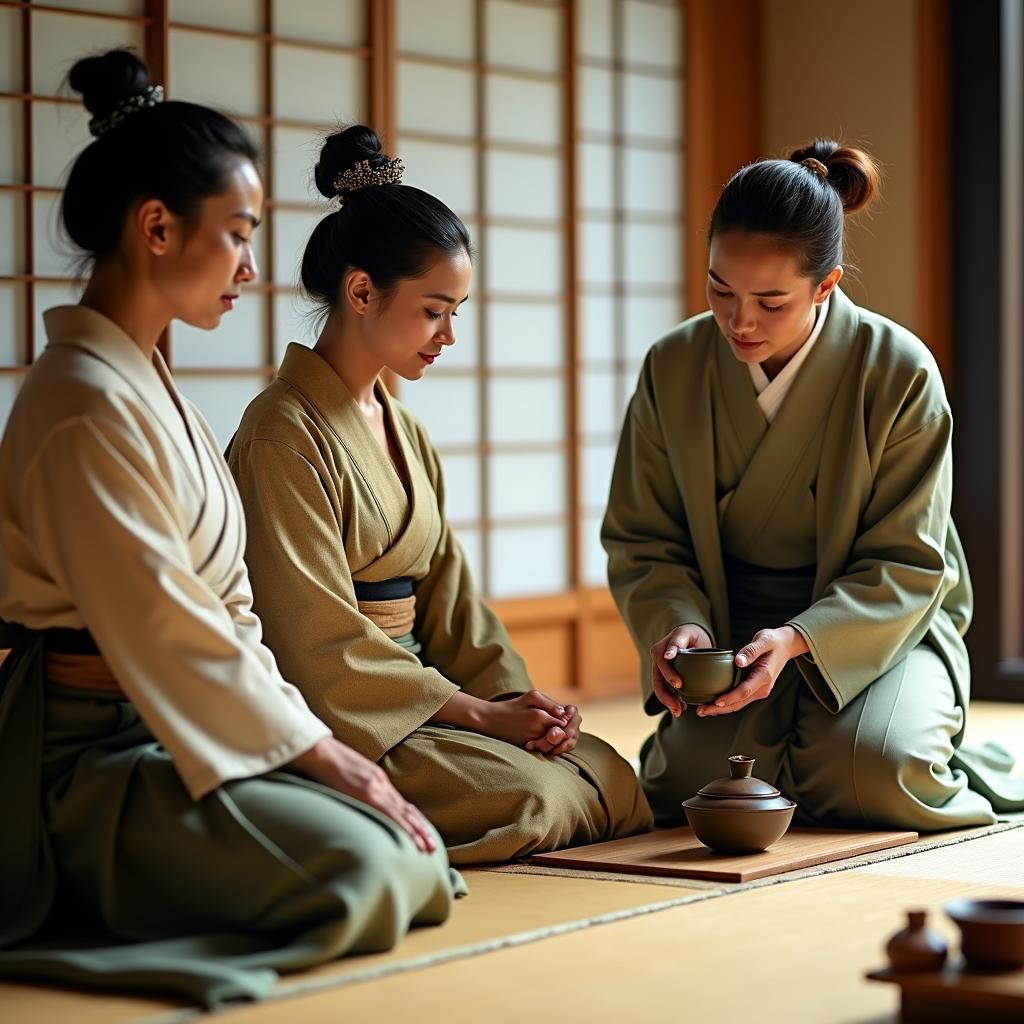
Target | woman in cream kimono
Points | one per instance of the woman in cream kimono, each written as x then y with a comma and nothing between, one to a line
151,838
363,591
782,487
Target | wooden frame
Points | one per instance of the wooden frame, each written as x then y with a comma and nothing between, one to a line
723,88
988,385
934,302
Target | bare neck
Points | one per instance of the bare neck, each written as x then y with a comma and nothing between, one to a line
125,297
341,345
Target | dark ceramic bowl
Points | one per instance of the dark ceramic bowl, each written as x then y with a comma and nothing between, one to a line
706,674
728,830
991,932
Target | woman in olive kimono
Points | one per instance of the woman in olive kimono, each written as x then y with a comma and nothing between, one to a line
782,487
152,836
362,588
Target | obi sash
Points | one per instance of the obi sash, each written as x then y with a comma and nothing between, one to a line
761,598
391,606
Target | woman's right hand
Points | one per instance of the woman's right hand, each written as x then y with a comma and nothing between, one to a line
522,719
333,764
664,677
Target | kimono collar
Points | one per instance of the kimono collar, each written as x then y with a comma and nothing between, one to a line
85,328
89,331
312,376
315,377
310,373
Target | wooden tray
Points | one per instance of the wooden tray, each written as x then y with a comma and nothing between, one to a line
677,853
956,995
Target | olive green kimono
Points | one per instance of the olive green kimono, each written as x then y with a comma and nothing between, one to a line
151,839
835,519
326,510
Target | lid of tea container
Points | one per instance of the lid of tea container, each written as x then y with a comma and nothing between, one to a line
739,784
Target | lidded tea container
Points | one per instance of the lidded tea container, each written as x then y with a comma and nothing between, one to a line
739,813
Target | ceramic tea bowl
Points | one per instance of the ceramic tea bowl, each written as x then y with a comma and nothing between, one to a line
706,673
991,932
739,814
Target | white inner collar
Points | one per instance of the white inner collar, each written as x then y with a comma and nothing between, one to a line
770,393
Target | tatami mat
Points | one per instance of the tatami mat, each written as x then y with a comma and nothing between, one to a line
791,953
499,911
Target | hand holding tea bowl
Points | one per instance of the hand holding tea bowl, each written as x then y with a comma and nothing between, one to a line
739,814
666,681
761,661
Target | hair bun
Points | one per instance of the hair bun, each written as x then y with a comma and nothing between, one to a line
342,151
853,173
108,80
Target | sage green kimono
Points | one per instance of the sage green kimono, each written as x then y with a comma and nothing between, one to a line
326,510
151,838
834,519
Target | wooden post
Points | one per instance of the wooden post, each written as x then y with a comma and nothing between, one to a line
723,114
934,209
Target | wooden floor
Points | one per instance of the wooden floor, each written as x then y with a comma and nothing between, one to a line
790,952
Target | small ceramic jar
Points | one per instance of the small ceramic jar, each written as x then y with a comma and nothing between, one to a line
916,948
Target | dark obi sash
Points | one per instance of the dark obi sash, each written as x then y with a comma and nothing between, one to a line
761,598
391,606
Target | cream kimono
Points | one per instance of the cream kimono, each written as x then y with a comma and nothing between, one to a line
151,803
328,515
835,518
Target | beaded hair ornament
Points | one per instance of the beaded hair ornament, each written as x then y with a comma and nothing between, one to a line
815,165
149,97
363,175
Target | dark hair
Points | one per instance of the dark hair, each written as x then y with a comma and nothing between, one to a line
176,152
391,231
794,201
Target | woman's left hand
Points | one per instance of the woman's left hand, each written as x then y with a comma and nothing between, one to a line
766,655
560,740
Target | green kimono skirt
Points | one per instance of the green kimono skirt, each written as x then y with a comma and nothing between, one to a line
886,760
111,876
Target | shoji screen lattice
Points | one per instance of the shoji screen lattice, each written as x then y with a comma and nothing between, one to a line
630,229
481,122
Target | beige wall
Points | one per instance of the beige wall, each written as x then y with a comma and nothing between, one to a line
849,71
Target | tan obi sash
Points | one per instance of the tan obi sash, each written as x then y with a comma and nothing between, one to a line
388,604
395,618
81,672
69,657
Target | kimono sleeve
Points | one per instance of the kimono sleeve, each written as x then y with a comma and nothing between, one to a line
110,533
898,573
460,633
369,690
652,567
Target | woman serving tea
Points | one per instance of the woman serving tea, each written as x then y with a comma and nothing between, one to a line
782,489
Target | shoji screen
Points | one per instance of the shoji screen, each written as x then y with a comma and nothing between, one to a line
41,130
481,88
630,227
288,72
